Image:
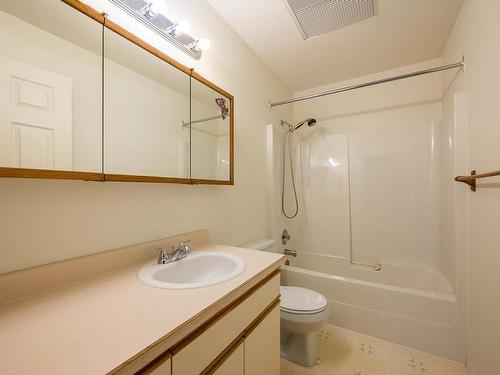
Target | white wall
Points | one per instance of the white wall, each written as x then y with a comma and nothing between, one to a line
477,35
389,132
43,221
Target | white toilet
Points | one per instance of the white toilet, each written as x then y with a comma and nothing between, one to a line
303,313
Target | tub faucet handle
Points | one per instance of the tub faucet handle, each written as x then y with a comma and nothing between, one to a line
285,237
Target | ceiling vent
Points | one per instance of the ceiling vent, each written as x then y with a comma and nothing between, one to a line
316,17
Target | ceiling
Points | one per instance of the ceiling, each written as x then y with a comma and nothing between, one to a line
404,32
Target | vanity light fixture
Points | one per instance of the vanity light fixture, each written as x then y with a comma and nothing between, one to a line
200,45
152,13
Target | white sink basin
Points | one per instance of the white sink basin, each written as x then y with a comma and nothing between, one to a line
197,270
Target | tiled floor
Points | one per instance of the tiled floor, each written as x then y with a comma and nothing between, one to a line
344,352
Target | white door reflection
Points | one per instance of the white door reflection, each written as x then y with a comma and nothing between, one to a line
36,121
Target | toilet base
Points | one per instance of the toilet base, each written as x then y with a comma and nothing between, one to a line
301,348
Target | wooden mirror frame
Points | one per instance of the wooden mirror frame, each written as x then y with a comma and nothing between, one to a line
95,176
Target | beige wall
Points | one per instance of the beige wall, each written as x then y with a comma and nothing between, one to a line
44,221
477,36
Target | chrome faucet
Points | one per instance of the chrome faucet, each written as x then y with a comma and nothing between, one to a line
165,257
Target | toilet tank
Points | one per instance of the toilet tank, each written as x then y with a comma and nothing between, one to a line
260,245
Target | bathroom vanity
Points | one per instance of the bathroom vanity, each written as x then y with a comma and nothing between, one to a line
92,315
242,339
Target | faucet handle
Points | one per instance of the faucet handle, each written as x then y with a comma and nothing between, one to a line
159,250
164,253
184,246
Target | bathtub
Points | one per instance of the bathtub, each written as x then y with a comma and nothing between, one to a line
411,306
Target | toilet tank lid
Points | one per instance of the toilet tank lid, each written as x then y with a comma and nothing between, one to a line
259,244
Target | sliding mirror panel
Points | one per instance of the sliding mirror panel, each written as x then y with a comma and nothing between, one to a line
146,99
50,91
211,133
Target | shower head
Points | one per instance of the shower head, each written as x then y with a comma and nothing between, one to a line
309,122
292,128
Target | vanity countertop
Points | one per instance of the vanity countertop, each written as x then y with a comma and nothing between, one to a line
98,325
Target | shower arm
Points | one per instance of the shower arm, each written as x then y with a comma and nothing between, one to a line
290,126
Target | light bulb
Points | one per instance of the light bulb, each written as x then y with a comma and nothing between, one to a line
177,29
183,27
158,6
153,8
202,44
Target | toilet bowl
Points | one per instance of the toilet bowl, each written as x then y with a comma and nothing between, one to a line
303,313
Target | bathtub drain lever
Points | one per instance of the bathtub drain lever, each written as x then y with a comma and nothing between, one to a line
293,253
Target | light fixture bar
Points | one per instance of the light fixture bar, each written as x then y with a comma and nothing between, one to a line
133,9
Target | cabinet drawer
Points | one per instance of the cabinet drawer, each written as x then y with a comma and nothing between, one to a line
161,366
194,355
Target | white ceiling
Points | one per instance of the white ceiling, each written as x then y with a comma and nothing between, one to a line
405,32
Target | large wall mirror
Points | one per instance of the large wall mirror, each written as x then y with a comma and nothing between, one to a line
82,98
146,100
50,88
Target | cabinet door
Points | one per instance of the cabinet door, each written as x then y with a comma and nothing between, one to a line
211,126
50,89
198,352
262,346
234,363
147,102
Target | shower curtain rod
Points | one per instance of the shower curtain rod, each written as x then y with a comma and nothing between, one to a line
370,83
201,120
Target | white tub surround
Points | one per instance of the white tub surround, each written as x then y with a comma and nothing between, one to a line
414,307
374,179
111,322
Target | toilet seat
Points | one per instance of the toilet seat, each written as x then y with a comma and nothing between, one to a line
303,301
